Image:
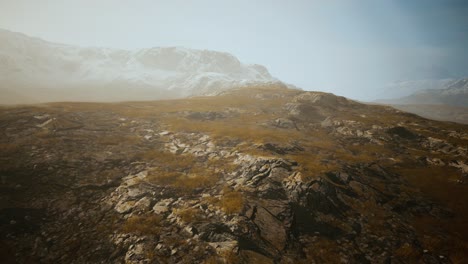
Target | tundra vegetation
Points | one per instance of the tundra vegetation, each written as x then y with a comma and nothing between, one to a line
260,174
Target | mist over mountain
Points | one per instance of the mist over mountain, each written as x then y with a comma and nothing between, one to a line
398,89
454,92
34,70
444,99
432,91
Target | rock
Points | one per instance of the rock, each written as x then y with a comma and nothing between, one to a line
284,123
136,179
435,161
205,115
215,232
124,207
274,148
136,192
143,205
165,133
135,254
328,122
165,202
46,123
225,247
160,209
271,229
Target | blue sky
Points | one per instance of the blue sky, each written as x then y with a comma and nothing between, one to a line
349,47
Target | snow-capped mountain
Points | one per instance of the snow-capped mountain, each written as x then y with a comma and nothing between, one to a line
400,89
452,93
32,69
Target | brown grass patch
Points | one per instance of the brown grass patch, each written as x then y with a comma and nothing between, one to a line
437,183
143,225
183,172
232,202
188,215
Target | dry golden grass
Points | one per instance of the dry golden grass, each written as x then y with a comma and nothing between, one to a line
190,182
437,183
244,99
245,128
168,159
225,165
232,202
363,153
310,166
183,172
188,215
143,225
211,200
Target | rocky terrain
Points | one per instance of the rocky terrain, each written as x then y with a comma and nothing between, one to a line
262,174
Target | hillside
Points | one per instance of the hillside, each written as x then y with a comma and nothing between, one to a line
33,70
262,174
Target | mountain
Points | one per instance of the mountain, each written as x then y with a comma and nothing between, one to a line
260,174
454,93
445,99
34,70
440,112
446,92
400,89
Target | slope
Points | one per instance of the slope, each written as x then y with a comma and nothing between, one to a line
261,174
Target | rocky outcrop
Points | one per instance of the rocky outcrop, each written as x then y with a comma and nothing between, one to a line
135,183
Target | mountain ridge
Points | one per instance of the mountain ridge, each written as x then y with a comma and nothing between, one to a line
453,92
445,99
169,72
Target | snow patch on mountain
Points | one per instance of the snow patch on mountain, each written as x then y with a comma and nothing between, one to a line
163,72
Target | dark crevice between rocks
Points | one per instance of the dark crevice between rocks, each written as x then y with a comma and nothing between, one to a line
305,223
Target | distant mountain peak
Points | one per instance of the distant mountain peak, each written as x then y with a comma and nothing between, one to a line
48,71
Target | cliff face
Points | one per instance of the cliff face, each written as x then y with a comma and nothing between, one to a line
256,175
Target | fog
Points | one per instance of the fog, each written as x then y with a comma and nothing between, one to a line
351,48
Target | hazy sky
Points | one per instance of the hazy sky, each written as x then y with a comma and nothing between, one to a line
349,47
